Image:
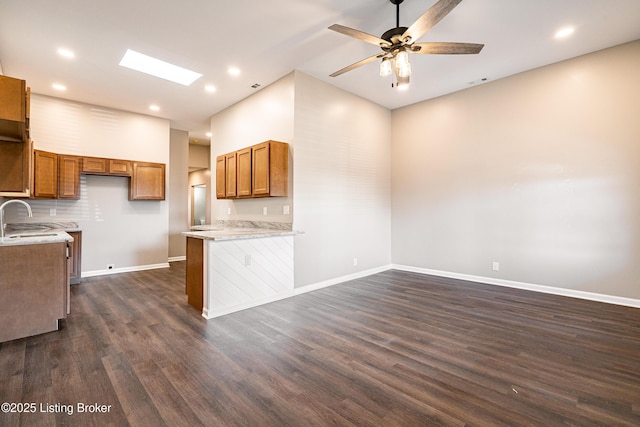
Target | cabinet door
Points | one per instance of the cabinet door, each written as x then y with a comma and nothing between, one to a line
230,182
94,165
15,168
244,172
69,177
221,177
13,115
147,181
119,167
45,175
261,169
75,257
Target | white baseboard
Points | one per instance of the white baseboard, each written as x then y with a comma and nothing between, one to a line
123,270
211,314
341,279
177,258
610,299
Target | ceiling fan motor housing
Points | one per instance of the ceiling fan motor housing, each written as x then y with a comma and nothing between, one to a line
394,35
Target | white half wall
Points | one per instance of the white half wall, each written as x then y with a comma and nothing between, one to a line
539,172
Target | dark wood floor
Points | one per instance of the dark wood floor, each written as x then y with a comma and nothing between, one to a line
393,349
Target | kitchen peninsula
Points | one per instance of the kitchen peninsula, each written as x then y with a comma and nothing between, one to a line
235,265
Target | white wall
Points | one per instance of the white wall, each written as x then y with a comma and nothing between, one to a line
115,230
339,172
539,171
341,182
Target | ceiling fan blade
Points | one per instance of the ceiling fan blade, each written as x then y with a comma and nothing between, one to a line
430,18
358,64
448,48
359,35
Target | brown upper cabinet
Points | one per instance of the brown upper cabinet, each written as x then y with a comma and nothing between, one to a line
14,109
270,169
119,167
15,168
94,166
16,152
45,175
147,181
230,175
69,176
243,173
221,173
261,170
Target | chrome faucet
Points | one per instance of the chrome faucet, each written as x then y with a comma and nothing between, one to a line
2,223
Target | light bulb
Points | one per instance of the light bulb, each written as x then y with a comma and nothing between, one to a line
385,67
403,70
402,58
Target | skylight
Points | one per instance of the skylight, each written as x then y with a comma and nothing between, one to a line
155,67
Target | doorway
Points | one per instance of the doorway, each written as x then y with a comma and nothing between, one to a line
199,204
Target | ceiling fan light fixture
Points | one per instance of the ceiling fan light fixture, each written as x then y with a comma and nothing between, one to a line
402,83
403,70
402,57
386,67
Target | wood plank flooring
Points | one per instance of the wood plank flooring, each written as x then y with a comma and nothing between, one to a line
392,349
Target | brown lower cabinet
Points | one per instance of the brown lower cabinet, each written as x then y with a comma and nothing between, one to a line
33,299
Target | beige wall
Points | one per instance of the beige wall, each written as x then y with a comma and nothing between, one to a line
539,171
178,192
198,157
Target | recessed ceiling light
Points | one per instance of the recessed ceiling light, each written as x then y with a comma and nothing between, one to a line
155,67
234,71
565,32
58,86
66,53
210,88
209,134
154,107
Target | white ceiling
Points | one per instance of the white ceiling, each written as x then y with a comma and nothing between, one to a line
267,39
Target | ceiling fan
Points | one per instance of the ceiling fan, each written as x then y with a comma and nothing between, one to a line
398,42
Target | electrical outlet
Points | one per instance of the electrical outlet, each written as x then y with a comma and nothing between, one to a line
285,210
264,210
110,266
495,266
355,262
52,212
228,211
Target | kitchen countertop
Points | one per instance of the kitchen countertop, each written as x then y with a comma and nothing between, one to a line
33,233
236,230
36,237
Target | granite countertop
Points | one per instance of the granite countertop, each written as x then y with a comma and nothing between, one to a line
33,233
37,237
234,230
